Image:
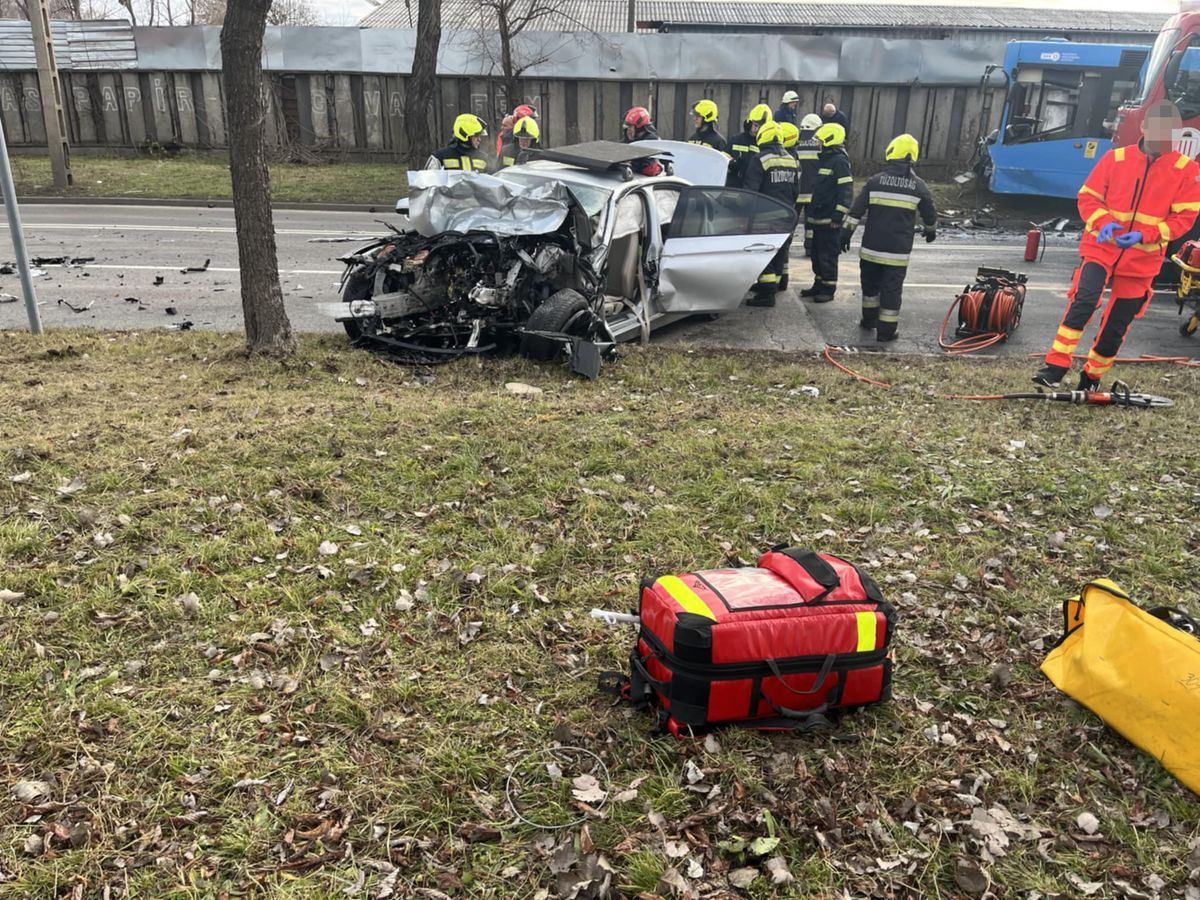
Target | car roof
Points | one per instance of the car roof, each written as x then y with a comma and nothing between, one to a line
575,175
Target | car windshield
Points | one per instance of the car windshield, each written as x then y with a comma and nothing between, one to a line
592,199
1154,65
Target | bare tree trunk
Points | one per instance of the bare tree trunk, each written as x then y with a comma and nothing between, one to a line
268,330
511,88
421,88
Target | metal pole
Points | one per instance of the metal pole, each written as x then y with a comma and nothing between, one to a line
631,17
18,235
50,88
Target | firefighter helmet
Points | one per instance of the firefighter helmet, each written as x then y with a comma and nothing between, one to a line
638,117
831,134
524,111
811,122
789,134
768,133
760,115
468,126
791,97
527,128
706,110
903,147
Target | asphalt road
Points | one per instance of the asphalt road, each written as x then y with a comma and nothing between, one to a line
132,246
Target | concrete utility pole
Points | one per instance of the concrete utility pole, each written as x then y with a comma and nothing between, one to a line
18,235
51,90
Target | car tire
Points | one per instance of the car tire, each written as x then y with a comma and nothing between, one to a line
559,312
358,287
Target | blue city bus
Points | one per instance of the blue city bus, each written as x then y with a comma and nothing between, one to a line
1059,115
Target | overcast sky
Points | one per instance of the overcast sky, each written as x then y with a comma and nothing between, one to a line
342,12
348,12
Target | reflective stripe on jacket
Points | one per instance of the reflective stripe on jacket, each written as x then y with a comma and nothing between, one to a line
808,151
458,157
1158,196
774,173
833,190
891,201
742,146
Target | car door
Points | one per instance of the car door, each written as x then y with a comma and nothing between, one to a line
719,241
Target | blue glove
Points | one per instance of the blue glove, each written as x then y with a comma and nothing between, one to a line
1107,232
1129,238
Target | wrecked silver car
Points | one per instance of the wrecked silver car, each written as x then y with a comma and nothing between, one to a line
568,253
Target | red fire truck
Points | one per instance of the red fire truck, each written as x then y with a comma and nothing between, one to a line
1172,72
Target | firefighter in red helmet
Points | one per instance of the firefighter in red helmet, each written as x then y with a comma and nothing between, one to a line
1136,200
638,127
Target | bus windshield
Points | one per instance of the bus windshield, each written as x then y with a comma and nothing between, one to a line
1163,46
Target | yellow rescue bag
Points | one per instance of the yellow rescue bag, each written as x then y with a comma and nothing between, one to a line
1136,672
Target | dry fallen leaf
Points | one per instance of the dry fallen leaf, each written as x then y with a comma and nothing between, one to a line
742,878
30,791
777,868
521,389
21,477
70,486
7,596
1088,823
586,789
327,548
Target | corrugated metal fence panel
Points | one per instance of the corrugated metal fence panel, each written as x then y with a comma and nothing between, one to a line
356,114
90,46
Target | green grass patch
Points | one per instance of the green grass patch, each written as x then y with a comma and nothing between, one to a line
210,698
206,177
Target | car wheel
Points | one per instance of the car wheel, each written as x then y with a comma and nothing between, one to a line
565,312
358,287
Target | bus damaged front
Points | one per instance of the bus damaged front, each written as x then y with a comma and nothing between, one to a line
1058,116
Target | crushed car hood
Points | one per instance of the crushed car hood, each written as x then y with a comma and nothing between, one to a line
440,201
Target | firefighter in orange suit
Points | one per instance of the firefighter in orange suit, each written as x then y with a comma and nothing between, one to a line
1136,200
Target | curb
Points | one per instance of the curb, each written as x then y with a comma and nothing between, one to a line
201,204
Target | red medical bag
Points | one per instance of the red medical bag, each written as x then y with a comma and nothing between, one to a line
773,647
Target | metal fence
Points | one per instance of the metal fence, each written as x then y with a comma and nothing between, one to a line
363,115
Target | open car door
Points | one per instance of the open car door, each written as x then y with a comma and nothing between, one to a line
719,242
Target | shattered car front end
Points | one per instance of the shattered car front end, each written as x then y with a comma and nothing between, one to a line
481,256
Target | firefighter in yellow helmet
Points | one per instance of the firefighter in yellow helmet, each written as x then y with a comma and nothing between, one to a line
524,137
704,116
773,172
744,144
808,150
832,193
891,202
789,134
463,154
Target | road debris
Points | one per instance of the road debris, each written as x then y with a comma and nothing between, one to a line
171,311
73,308
203,268
8,298
159,280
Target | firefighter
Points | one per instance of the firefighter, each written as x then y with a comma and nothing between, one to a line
787,111
891,201
704,116
506,125
524,137
808,149
744,144
638,127
1136,200
773,172
463,155
832,193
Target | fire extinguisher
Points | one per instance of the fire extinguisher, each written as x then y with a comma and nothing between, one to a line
1033,238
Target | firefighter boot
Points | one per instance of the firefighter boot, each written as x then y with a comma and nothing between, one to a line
761,299
870,313
1087,383
886,332
811,291
1050,376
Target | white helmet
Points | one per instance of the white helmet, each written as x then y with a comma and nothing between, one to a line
791,97
811,122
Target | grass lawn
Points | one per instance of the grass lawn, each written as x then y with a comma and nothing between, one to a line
202,696
207,178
